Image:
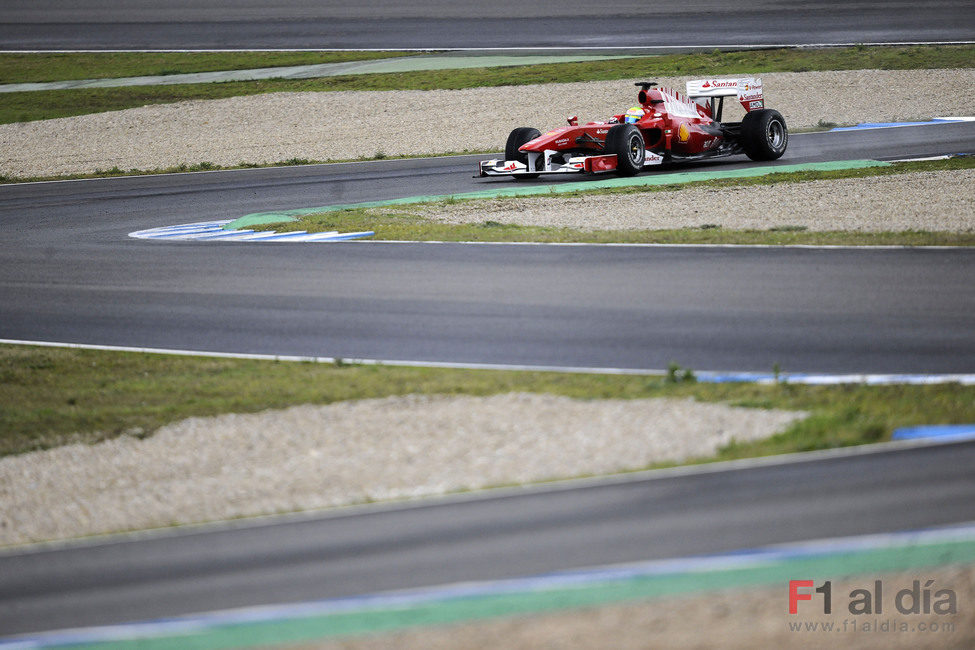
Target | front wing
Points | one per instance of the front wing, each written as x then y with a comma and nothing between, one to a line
547,165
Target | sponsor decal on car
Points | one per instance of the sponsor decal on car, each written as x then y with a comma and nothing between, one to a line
683,133
755,105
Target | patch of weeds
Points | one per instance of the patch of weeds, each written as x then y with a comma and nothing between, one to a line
114,171
788,228
676,374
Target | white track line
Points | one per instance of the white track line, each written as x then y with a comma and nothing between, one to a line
966,379
885,247
553,48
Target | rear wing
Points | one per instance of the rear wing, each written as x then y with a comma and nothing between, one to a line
709,94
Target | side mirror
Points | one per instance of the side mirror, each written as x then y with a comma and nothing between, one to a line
574,120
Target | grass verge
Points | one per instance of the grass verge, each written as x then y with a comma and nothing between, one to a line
68,66
408,223
52,396
28,106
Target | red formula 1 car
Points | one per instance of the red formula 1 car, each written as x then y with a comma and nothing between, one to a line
665,126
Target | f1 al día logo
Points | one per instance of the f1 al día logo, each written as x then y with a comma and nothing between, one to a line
924,607
920,598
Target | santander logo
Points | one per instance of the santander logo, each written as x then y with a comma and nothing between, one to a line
707,84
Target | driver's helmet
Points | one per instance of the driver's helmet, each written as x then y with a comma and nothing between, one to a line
633,115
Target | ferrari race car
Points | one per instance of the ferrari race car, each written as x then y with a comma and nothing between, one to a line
665,126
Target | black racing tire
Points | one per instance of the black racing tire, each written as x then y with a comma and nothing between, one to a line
626,141
764,135
516,139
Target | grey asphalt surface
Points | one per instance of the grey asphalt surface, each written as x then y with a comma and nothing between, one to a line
461,539
69,273
439,24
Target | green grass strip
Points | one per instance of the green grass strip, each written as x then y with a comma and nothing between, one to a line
403,64
26,106
678,178
41,67
52,396
467,609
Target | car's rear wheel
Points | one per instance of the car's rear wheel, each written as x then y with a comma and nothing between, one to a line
764,135
516,139
626,141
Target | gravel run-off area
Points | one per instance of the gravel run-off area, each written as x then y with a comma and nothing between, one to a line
345,125
306,457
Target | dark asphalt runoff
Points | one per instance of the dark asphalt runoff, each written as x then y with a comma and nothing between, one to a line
70,273
442,24
485,537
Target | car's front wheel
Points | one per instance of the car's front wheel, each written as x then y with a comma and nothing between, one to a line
764,135
626,141
516,139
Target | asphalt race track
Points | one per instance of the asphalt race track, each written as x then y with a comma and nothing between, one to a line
439,24
69,273
479,538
